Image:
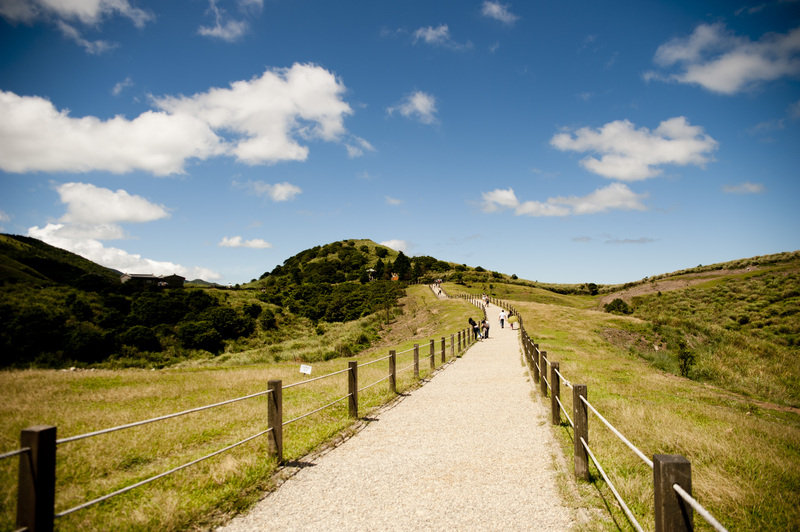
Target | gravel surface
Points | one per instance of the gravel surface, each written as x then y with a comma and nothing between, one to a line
469,450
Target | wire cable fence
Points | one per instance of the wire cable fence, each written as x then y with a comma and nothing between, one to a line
37,453
673,503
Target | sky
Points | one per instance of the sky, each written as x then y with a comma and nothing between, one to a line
563,142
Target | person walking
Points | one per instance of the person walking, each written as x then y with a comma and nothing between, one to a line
502,318
485,326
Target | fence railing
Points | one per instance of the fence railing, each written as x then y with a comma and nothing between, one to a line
672,476
38,444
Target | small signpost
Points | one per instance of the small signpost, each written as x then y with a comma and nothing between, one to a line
306,369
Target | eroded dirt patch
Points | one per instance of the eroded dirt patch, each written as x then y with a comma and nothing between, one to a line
627,339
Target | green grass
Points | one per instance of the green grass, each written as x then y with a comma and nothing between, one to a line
202,495
745,455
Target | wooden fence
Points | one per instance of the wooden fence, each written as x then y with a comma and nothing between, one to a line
672,474
38,445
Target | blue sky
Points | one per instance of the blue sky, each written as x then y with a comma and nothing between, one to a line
562,142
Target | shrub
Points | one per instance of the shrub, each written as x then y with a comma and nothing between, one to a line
618,306
142,338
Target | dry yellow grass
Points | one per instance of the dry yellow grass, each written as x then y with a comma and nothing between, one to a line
83,401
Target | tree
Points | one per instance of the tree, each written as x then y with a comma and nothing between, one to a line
618,306
402,267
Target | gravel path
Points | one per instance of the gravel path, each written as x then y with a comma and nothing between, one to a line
469,450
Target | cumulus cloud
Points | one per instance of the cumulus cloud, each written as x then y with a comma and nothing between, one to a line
397,245
744,188
723,62
88,12
239,242
66,14
259,121
87,203
631,154
93,215
615,196
498,11
276,192
439,36
417,105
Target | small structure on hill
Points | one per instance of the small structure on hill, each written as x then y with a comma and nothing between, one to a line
148,279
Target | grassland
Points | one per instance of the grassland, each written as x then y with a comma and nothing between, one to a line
734,418
197,497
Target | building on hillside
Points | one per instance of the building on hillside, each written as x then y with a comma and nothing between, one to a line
148,279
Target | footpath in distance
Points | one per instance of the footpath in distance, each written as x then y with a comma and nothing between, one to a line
469,450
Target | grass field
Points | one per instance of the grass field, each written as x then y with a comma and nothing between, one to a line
744,449
197,497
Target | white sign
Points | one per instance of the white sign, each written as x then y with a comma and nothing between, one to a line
305,369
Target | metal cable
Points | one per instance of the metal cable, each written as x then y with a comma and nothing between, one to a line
633,448
406,351
374,361
564,410
565,381
151,479
315,411
316,378
15,453
374,383
161,418
405,368
625,508
699,509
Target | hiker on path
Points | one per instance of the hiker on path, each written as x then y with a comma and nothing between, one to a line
502,318
475,329
485,326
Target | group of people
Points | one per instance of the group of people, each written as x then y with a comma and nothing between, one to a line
481,330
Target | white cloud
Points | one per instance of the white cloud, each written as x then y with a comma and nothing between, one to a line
87,203
393,201
744,188
627,241
357,146
794,110
268,112
720,61
397,245
631,154
498,11
277,192
264,118
418,105
239,242
93,215
88,12
4,217
121,86
225,27
439,36
615,196
93,47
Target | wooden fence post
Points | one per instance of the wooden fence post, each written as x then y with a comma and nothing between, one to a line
580,415
535,362
433,356
555,393
416,361
444,350
352,388
275,419
672,513
452,346
393,371
543,373
37,479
